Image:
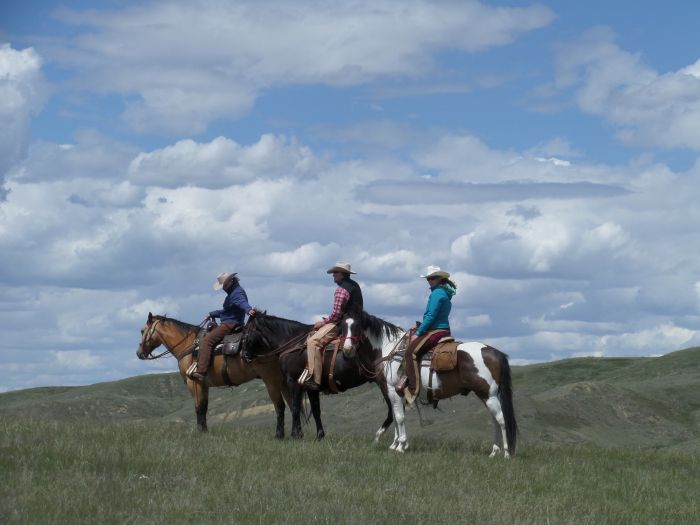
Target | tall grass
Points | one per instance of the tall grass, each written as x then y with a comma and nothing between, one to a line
96,472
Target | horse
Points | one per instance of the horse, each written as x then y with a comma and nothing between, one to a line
480,368
342,370
179,337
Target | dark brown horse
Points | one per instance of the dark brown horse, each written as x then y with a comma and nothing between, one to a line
269,335
179,339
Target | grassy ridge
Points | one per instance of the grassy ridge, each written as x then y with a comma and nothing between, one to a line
642,402
158,472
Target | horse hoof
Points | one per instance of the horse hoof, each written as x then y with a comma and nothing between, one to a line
320,436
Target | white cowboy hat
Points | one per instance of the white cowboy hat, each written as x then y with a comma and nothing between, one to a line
435,271
340,266
221,279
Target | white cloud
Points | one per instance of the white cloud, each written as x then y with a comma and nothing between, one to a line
539,278
226,54
648,107
75,359
221,162
22,94
302,259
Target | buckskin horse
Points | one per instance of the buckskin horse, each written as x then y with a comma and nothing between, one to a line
179,339
269,335
479,368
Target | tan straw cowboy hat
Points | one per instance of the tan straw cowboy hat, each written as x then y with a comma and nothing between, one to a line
340,266
435,271
222,278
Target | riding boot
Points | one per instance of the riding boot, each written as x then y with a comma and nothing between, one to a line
210,341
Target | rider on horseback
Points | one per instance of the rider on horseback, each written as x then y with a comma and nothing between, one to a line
232,316
435,326
347,301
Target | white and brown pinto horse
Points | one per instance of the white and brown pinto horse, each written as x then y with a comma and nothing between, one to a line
179,338
480,368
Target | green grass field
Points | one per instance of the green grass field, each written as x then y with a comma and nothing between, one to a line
129,472
602,441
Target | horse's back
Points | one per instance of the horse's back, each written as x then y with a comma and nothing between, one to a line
486,360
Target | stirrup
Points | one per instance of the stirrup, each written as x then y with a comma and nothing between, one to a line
410,397
191,370
400,386
304,376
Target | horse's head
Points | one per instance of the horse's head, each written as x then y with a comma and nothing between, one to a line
352,335
150,338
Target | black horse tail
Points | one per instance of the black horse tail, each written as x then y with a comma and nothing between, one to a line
505,397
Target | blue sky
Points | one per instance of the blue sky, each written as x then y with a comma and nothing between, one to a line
544,153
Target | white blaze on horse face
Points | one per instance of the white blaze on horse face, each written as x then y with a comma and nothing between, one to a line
347,345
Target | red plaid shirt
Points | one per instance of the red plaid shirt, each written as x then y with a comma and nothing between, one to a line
339,299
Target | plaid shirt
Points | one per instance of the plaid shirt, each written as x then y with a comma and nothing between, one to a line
339,299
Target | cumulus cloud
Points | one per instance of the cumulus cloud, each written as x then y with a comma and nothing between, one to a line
22,94
183,66
537,276
221,162
647,107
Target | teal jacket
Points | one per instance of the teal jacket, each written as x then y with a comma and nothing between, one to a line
437,311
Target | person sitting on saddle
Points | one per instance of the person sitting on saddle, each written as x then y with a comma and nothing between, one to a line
347,302
232,316
435,326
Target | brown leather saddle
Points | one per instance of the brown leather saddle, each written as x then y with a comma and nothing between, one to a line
229,346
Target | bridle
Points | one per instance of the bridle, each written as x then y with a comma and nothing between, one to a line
149,333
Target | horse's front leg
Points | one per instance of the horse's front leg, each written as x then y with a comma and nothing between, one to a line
400,443
315,401
381,383
200,396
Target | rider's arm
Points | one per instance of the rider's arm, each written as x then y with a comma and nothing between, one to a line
339,299
240,299
434,303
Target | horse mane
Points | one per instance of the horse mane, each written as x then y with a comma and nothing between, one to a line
176,322
279,324
378,327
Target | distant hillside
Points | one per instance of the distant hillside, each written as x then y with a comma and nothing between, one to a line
639,402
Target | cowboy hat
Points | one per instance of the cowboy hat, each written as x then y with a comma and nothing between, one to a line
435,271
340,266
222,278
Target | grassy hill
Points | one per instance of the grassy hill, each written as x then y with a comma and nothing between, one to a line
636,402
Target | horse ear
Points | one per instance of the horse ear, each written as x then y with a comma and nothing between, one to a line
150,317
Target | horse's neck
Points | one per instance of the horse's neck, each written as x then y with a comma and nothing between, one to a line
280,337
179,339
385,343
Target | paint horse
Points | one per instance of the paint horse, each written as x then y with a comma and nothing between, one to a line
480,368
179,340
342,370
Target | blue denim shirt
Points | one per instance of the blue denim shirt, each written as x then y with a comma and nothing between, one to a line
235,306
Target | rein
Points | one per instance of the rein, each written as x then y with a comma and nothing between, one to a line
167,351
373,373
289,346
